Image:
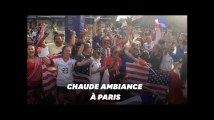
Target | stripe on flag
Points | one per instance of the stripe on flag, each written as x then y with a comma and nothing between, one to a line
49,74
139,74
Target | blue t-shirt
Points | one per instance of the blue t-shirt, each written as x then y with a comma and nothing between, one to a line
178,55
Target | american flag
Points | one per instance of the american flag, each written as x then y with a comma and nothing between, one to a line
49,74
143,75
39,33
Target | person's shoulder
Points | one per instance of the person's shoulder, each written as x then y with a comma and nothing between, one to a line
57,60
49,44
58,47
72,60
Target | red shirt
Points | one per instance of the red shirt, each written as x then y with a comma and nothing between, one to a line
30,67
36,78
176,90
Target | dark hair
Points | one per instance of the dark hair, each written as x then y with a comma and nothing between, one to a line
61,34
56,35
29,45
63,48
98,49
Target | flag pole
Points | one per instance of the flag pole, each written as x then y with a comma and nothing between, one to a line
151,69
145,63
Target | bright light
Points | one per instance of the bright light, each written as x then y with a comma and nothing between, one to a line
121,16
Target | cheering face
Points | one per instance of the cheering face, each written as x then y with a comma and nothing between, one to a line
89,50
171,49
118,41
98,55
67,52
30,50
106,43
63,38
58,41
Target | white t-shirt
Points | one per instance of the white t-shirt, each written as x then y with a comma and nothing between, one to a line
64,71
53,49
95,78
167,63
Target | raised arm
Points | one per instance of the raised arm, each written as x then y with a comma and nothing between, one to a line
80,50
72,39
39,44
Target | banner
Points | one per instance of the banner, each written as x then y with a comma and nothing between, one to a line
75,23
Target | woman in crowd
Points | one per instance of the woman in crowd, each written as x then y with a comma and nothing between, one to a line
65,66
95,67
34,76
113,63
155,56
